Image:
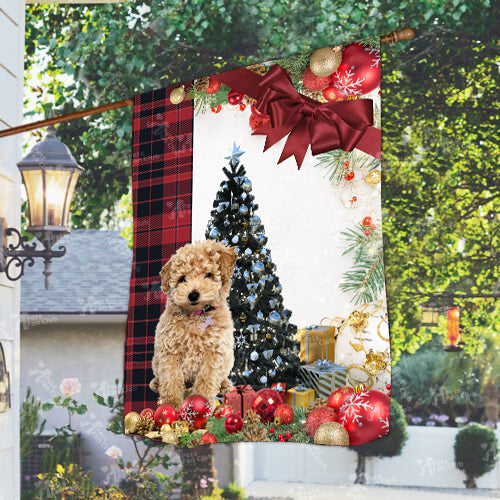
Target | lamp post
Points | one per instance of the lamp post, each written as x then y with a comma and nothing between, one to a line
429,315
50,173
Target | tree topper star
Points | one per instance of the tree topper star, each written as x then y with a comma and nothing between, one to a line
234,154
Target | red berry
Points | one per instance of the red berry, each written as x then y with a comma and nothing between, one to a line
243,106
354,199
288,435
349,176
367,221
388,387
389,393
373,226
367,232
346,163
216,109
271,429
281,437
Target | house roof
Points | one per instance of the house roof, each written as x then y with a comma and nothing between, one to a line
92,278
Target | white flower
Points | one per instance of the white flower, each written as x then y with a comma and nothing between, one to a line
114,452
70,386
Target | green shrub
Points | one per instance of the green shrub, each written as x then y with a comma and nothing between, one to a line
476,452
233,492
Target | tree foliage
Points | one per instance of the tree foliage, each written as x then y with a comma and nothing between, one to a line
439,129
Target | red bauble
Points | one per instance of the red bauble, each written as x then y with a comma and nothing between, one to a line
359,72
233,423
257,121
213,86
313,82
365,416
147,412
317,417
243,106
208,438
367,221
165,414
222,411
332,93
265,403
285,412
367,232
195,411
234,97
338,397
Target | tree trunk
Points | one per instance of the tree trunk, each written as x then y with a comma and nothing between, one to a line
470,482
197,463
361,470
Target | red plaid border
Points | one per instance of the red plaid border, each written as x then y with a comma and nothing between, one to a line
162,172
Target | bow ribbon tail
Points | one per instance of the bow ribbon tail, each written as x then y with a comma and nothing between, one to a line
297,142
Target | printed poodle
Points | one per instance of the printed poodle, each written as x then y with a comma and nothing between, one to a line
194,337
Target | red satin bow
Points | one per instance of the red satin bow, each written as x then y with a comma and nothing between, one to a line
324,126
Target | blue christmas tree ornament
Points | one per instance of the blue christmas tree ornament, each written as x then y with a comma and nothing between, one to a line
214,233
235,239
274,318
258,267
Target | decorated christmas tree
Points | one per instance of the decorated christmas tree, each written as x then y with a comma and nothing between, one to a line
265,351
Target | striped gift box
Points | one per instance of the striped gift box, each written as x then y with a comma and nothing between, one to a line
323,376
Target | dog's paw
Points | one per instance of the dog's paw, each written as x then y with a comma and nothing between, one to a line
226,387
154,385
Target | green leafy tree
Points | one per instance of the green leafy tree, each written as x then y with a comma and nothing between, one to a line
390,445
476,452
264,348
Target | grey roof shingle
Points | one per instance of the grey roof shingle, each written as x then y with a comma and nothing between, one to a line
92,278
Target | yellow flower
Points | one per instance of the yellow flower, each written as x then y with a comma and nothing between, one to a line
40,476
60,469
70,468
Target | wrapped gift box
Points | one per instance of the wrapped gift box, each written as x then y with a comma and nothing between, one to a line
323,376
299,396
240,398
317,342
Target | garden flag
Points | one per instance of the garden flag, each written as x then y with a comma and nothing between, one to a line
257,297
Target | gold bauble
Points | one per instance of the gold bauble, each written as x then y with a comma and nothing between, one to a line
277,421
359,388
131,420
165,428
331,433
177,95
153,435
373,178
243,317
170,437
325,61
268,336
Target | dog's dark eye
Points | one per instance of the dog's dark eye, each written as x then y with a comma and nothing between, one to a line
182,279
209,275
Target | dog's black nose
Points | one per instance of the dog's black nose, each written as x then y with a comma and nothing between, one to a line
194,296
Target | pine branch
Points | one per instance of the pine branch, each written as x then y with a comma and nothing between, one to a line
334,162
295,65
371,41
204,102
366,278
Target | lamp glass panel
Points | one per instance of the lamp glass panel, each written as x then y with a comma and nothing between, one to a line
71,192
55,194
34,190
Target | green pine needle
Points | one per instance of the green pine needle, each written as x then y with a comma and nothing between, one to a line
203,102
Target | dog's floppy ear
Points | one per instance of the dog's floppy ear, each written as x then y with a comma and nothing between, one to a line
226,263
165,276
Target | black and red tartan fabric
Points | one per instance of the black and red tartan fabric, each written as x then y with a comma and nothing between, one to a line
162,172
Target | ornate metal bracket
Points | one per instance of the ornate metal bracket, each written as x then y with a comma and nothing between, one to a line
16,257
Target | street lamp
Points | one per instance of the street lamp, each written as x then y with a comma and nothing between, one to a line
50,173
429,314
